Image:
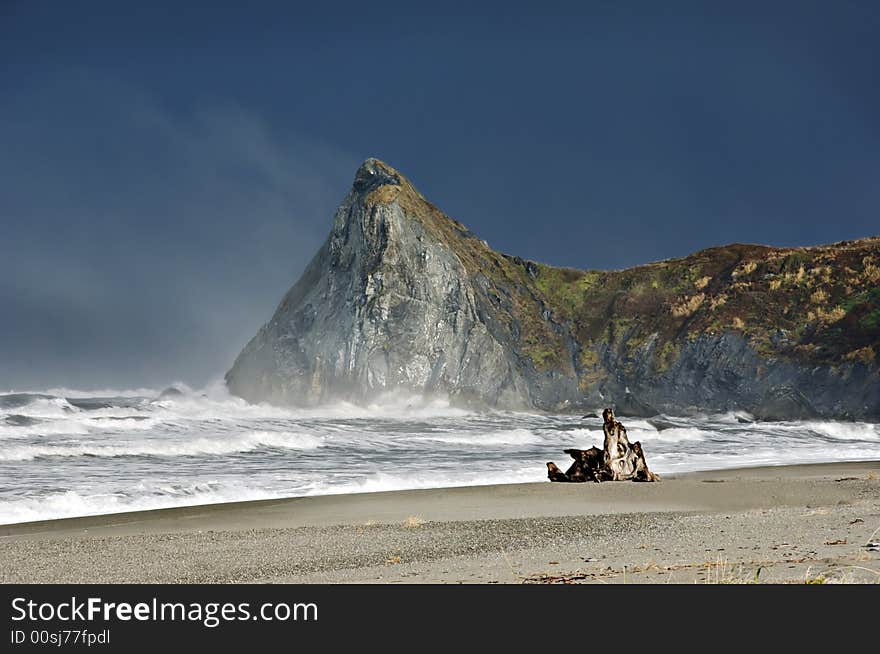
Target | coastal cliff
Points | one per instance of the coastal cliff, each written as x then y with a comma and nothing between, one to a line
401,296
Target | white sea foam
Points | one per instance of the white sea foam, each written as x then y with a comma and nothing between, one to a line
664,463
40,407
76,427
382,481
200,446
73,504
197,407
155,495
104,392
846,431
492,438
42,428
92,455
734,417
637,425
671,435
581,439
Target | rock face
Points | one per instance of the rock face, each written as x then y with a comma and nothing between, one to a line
386,303
401,296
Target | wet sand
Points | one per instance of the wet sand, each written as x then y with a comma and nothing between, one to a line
773,524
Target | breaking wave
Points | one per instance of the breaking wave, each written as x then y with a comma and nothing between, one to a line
200,446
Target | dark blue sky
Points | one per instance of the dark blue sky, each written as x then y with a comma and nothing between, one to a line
167,171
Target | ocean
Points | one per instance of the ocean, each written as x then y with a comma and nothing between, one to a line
70,453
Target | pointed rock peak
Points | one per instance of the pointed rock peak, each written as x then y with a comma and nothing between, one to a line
373,174
378,183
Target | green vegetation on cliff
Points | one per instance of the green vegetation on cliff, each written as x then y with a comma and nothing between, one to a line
818,304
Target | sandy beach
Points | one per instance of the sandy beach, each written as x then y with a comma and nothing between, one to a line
773,524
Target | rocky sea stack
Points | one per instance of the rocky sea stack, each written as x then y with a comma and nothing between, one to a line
401,296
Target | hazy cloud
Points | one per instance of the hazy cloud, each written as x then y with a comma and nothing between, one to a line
142,244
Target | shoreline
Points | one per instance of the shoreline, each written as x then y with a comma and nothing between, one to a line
511,533
188,511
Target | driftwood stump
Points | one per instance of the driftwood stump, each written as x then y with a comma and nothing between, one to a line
619,460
